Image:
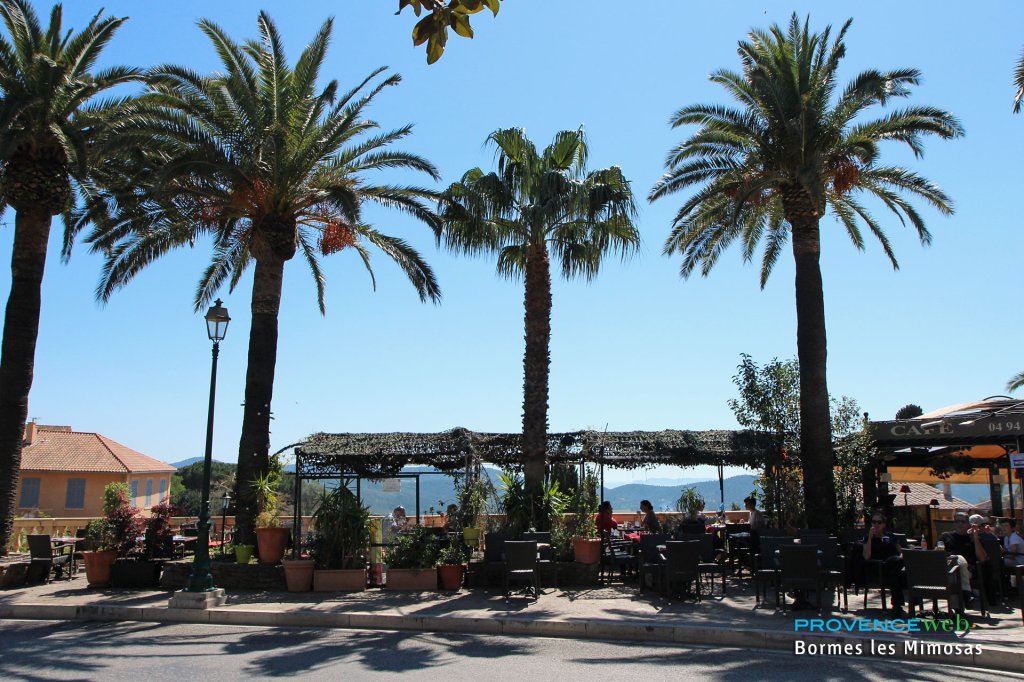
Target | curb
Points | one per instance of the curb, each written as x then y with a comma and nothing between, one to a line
991,657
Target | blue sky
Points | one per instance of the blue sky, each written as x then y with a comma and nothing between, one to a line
639,348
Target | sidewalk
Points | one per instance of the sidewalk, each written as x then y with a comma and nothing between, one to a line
615,612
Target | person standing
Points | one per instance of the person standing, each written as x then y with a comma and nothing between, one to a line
393,523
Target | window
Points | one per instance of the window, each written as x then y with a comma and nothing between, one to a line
29,492
163,489
135,491
75,499
149,493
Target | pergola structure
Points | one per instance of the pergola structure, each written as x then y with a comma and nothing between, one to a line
964,443
376,456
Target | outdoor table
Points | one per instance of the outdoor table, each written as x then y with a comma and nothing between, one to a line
67,541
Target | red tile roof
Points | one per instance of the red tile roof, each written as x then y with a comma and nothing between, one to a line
58,448
922,493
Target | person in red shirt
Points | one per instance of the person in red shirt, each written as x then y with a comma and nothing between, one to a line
605,520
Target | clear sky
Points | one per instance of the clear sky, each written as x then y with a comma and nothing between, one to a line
639,348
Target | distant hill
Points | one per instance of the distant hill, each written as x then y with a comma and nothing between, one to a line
186,462
627,497
658,481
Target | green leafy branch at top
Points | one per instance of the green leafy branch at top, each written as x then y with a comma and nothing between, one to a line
433,28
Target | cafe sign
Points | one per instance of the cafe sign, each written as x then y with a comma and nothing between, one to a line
990,428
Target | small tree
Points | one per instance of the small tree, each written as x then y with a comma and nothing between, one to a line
122,518
909,411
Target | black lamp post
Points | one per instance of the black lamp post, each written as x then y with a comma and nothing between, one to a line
201,579
224,503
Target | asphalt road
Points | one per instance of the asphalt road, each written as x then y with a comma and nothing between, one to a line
45,650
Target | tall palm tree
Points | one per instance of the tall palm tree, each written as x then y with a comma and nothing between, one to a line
533,206
52,132
769,169
267,165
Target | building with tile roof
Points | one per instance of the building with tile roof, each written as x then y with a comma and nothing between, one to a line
63,472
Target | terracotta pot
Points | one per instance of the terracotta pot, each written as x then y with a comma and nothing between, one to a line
271,543
298,574
98,565
415,579
451,576
587,550
339,580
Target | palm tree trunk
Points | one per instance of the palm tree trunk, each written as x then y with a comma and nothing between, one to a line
254,444
17,357
536,362
815,421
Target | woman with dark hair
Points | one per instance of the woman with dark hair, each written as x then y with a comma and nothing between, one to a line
650,522
605,518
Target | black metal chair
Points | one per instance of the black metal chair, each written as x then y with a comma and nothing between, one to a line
709,565
811,533
521,565
993,564
930,576
650,562
616,555
873,577
47,560
798,570
545,554
739,545
766,566
494,554
834,570
682,564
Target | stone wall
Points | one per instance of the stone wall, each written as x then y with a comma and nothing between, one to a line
229,575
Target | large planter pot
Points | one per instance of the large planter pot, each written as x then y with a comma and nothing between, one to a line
271,543
339,580
98,565
587,550
243,553
298,574
139,574
415,579
450,576
471,536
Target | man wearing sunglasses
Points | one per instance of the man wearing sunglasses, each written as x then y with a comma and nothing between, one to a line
964,543
880,545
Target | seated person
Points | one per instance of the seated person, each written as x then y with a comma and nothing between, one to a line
755,518
1012,543
880,545
650,522
964,543
393,523
604,519
451,519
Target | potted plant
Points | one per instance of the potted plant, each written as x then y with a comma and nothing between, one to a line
450,566
271,537
243,553
691,503
143,570
411,560
586,545
298,573
99,553
341,542
471,492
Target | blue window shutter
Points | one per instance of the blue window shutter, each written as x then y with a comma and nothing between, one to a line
135,492
29,492
149,493
163,489
75,498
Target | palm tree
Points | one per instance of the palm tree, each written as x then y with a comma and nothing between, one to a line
1018,84
768,170
52,132
533,206
267,165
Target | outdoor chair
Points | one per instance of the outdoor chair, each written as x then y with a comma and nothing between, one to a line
682,564
766,567
76,555
739,545
521,565
930,576
651,562
1019,573
901,540
545,554
494,554
709,565
693,528
873,577
798,570
851,536
615,555
189,546
772,533
834,568
994,577
811,533
47,560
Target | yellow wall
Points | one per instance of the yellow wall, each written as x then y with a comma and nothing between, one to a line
53,488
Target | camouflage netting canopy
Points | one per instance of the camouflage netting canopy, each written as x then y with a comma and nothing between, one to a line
379,455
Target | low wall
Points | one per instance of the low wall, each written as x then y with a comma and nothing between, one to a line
226,574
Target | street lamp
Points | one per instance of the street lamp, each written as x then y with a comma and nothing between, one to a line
201,579
224,503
